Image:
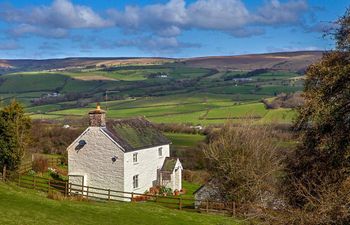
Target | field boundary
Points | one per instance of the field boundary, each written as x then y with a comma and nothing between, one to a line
90,193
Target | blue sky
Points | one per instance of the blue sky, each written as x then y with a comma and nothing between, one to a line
171,28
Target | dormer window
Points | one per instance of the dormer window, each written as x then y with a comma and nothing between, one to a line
160,152
134,158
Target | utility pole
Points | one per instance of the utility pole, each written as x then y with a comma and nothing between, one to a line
106,96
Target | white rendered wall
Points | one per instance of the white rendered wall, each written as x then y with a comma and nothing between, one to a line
94,161
146,167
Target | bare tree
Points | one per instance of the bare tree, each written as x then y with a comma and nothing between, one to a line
245,161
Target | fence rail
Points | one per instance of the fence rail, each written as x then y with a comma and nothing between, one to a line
25,167
101,194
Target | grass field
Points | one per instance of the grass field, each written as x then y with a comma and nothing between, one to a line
181,110
184,140
185,95
22,206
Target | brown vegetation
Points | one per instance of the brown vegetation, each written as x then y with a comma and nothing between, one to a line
52,138
283,100
246,163
40,164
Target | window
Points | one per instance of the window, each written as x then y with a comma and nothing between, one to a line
135,181
134,157
160,151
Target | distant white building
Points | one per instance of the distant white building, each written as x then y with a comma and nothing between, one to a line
128,155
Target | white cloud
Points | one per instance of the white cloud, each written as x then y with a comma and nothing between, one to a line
161,23
9,45
277,13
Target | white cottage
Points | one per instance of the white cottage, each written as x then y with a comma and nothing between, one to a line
128,155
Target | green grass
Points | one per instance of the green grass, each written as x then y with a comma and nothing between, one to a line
190,189
184,140
20,206
33,82
279,116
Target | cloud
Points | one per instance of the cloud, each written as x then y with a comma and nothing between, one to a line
53,21
292,49
9,45
276,13
321,27
157,45
161,23
60,14
229,16
26,29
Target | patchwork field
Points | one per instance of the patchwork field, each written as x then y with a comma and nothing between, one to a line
177,91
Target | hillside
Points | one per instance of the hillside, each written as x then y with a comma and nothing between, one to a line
207,90
287,61
23,206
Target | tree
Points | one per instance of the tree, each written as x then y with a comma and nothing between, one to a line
342,32
14,135
323,157
245,162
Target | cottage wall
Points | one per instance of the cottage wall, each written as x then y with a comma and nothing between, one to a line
94,162
146,167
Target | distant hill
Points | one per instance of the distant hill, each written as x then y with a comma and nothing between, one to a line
285,61
71,63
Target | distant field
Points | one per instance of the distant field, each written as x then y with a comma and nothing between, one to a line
184,140
184,95
191,111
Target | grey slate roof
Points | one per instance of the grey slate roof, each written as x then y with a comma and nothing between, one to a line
134,134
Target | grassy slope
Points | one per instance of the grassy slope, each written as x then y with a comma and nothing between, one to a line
27,207
184,140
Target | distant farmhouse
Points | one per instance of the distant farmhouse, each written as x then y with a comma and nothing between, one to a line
128,155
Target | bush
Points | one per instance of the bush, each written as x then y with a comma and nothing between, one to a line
40,165
55,195
165,191
245,161
196,176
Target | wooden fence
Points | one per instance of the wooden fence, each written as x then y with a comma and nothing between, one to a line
100,194
25,167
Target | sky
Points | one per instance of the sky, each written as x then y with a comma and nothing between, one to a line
40,29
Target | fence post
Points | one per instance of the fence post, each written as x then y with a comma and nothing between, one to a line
109,194
70,188
156,198
66,189
180,203
48,189
34,182
207,206
87,192
233,209
19,180
132,196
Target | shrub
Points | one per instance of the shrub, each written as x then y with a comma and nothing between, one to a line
40,165
31,173
196,176
165,191
55,195
245,161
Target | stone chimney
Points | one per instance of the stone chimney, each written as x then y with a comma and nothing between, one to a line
97,117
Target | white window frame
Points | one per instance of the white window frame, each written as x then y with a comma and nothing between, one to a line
135,181
160,151
135,157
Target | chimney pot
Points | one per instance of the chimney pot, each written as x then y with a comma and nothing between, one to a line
97,117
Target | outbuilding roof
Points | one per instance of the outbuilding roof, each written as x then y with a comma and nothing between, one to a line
169,164
136,133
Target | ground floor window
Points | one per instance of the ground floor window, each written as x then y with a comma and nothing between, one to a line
135,181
